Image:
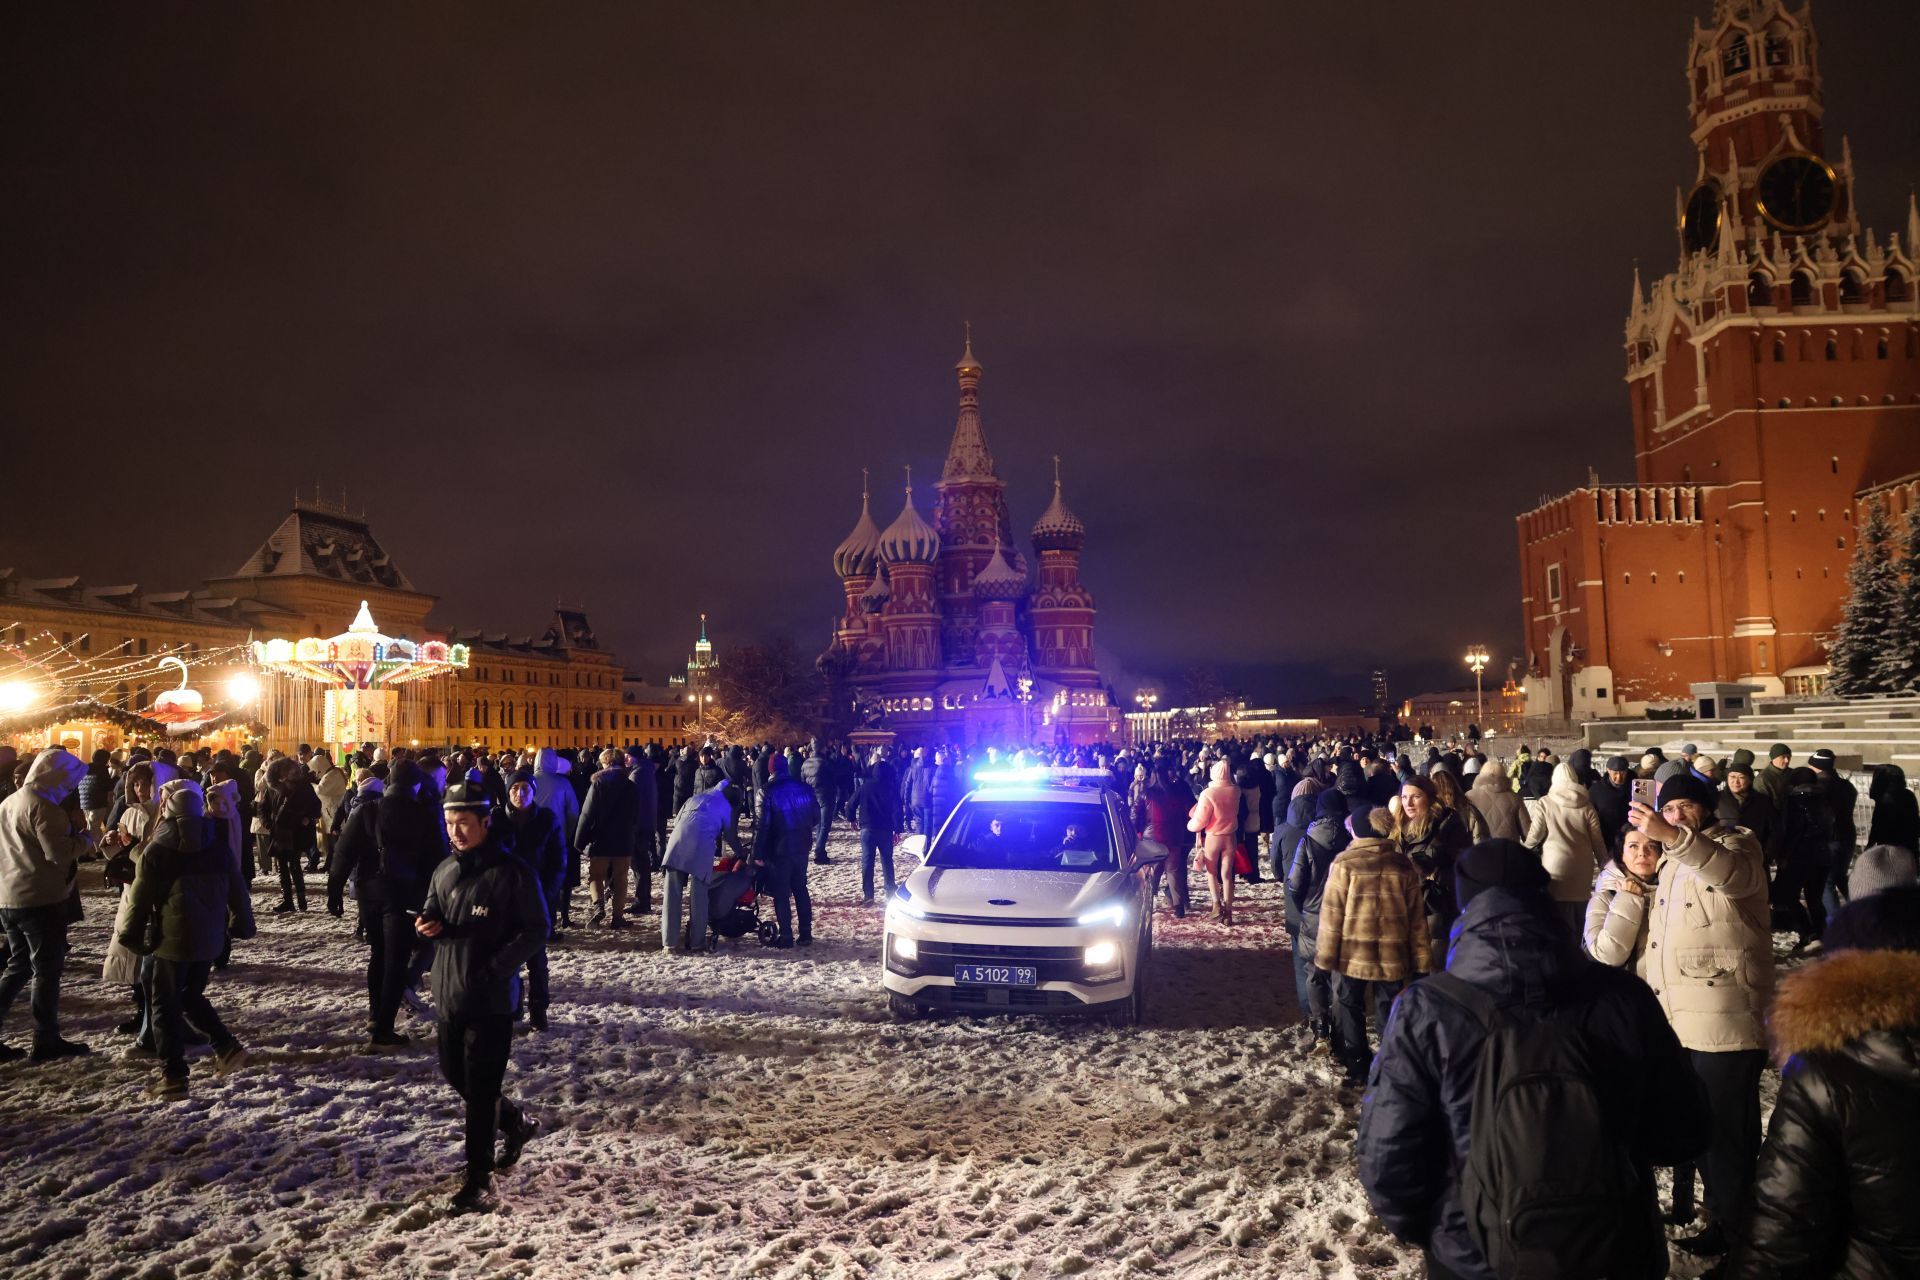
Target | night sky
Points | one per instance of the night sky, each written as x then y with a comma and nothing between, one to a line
614,301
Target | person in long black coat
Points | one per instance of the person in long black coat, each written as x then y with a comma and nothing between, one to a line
1416,1121
1896,815
1839,1175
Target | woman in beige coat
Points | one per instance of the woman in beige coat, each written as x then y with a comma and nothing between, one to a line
1493,795
1709,960
1566,831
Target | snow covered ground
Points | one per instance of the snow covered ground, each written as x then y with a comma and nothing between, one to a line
749,1113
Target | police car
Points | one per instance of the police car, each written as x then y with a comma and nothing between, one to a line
1035,897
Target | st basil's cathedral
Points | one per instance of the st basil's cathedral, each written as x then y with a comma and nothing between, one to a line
949,634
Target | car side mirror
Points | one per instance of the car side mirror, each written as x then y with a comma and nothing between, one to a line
1146,852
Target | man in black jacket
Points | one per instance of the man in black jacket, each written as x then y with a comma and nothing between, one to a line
788,815
535,836
486,914
876,809
1416,1121
390,847
608,834
1610,792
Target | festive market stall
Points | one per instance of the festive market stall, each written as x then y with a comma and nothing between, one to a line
50,696
358,687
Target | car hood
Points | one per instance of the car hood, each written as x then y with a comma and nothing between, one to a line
955,891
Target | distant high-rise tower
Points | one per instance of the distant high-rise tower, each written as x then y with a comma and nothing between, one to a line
1380,703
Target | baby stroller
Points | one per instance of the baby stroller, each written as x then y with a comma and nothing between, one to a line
733,905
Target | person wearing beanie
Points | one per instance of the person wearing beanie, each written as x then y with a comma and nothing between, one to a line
1373,936
486,916
1842,796
1433,836
1880,867
1743,804
1804,849
1709,959
186,900
1773,778
1834,1191
536,840
1512,952
1306,882
1609,793
1566,832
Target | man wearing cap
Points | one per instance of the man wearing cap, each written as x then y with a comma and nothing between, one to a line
1773,778
1709,959
485,912
1511,947
1610,792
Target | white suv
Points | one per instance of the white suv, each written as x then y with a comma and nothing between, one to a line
1035,897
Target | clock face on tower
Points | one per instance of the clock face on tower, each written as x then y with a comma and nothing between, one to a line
1700,225
1797,192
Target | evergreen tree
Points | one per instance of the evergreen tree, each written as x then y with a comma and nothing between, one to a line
1873,588
1898,665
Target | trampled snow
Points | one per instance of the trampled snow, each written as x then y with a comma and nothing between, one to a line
748,1113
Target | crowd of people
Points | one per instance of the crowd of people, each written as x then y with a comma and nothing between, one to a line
1458,900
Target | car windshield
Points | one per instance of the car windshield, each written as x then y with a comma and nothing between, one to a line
1026,835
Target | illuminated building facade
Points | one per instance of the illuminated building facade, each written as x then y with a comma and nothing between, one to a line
1773,375
950,633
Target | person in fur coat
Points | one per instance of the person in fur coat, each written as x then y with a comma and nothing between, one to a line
1838,1176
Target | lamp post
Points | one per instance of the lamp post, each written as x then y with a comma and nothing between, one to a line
1477,659
1146,700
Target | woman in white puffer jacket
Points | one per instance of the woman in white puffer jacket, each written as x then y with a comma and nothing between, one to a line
1566,831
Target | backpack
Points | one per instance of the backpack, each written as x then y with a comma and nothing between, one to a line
1550,1188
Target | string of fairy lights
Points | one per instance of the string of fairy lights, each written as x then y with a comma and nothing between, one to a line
43,667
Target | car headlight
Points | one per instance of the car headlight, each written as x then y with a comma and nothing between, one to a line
906,948
902,904
1114,913
1102,954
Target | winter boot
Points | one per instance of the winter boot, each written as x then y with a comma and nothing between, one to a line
474,1196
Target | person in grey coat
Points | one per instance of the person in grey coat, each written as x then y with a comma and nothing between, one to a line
704,820
41,841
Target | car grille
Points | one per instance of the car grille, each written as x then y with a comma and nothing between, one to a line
1053,964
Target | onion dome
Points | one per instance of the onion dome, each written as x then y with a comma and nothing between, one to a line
857,555
909,539
1058,529
999,580
878,592
967,363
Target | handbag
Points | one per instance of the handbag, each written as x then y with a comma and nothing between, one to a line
1242,863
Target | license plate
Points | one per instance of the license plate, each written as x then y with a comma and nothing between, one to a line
996,975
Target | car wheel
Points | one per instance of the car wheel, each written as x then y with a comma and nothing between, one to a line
903,1009
1133,1011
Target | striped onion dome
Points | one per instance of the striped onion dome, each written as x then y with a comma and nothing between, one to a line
999,580
909,539
857,555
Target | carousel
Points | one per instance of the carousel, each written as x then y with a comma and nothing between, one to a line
357,688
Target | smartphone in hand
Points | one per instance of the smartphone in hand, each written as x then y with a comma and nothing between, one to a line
1644,792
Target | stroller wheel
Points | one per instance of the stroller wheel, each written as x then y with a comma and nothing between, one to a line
768,931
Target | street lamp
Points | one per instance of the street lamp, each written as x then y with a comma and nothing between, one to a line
1477,660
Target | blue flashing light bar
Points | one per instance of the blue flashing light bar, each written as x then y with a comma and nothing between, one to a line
1038,773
